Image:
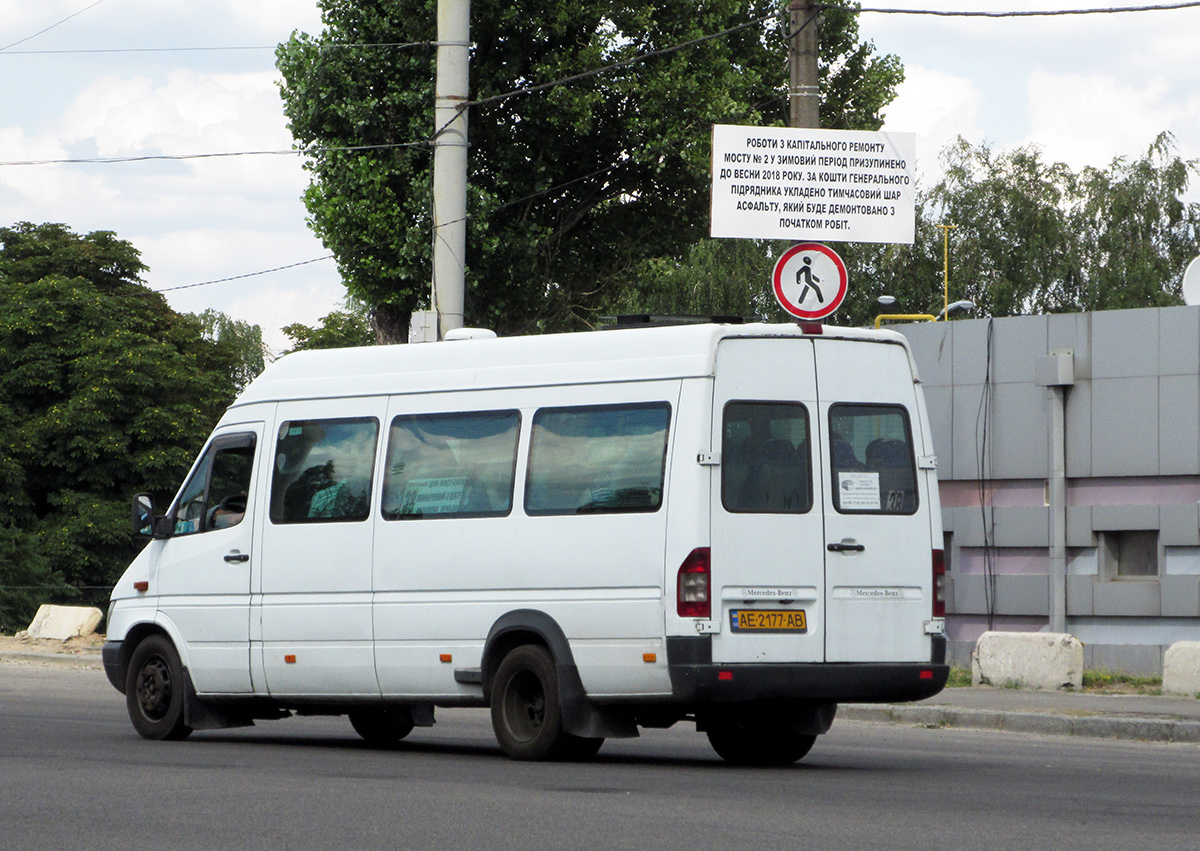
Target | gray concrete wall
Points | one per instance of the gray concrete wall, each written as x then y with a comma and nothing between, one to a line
1133,465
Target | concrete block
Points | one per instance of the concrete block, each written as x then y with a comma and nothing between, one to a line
1181,668
1044,660
58,623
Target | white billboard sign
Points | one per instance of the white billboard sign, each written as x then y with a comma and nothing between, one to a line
801,184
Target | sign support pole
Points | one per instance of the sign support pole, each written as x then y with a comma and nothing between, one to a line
804,95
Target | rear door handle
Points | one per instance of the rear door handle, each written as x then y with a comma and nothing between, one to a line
237,558
845,548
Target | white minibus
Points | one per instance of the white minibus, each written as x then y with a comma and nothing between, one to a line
734,525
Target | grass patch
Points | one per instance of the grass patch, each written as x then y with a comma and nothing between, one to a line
959,677
1115,681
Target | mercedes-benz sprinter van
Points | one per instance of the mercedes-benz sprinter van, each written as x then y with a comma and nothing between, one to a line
735,525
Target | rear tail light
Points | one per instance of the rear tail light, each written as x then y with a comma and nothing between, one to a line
691,594
939,584
811,328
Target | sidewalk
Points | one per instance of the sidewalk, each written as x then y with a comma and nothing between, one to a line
1054,713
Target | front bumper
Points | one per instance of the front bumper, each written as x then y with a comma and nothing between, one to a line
110,655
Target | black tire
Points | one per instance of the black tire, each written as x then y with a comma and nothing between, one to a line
757,740
526,712
382,728
154,690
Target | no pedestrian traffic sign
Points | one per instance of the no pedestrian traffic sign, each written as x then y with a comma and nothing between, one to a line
810,280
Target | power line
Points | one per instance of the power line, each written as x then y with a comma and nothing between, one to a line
213,48
52,26
246,275
150,157
1046,13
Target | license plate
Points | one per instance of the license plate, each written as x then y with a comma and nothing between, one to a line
768,620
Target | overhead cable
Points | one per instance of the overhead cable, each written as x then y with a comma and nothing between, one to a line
52,26
149,157
1044,13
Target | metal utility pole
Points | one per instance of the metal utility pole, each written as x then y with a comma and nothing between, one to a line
804,94
450,163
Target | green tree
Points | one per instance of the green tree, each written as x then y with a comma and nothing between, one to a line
241,338
571,187
1036,237
340,329
104,391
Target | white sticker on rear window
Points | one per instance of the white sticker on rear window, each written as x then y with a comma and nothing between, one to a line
858,491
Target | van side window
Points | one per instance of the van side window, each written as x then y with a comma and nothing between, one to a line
323,470
215,496
598,459
874,470
451,465
765,458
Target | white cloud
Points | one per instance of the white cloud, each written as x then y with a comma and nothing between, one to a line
1091,119
938,107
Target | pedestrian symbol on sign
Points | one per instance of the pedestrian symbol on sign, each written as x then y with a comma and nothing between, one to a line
806,276
802,277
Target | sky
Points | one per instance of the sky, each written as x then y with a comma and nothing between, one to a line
1085,89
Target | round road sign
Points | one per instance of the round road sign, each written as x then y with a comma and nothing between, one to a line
810,280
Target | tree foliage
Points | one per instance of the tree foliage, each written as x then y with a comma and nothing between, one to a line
1037,237
242,338
104,390
340,329
571,186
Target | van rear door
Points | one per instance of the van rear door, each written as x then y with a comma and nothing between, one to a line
878,575
767,544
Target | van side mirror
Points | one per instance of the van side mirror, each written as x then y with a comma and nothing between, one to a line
145,523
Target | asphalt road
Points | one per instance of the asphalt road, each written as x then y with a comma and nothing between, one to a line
73,774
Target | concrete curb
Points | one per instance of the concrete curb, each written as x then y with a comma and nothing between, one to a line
1091,726
79,660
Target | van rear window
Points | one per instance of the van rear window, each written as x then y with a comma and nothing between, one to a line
873,466
451,465
765,452
323,470
597,459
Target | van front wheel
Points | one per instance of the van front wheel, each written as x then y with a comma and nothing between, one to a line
526,712
154,690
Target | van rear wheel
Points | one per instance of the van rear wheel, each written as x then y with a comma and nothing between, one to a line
758,740
382,728
154,690
526,712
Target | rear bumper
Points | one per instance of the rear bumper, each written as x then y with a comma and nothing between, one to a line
696,679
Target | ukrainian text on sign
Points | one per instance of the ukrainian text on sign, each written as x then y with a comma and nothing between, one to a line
792,183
